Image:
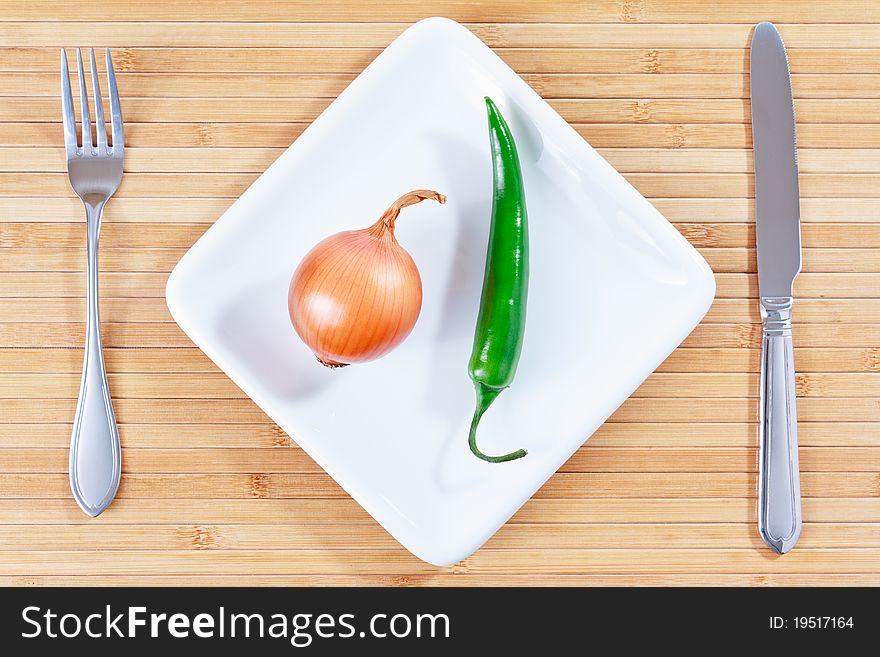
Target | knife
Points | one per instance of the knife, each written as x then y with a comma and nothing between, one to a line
779,261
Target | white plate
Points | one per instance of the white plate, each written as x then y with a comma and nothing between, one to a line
614,289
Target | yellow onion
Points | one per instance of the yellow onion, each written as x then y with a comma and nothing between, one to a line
357,294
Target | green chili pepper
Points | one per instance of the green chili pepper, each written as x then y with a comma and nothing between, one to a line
502,319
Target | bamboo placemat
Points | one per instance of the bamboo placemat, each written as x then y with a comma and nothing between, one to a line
212,493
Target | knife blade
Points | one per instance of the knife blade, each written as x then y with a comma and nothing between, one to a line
777,200
777,211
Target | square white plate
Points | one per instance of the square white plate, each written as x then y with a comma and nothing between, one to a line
614,289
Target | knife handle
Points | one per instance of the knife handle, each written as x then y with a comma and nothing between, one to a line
779,490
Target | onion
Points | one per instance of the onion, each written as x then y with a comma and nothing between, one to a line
357,294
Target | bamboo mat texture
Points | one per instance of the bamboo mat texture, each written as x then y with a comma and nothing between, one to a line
214,493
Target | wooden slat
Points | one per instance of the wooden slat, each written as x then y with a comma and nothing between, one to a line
809,335
183,235
502,11
367,536
696,110
739,210
151,284
631,434
202,185
742,410
294,460
113,284
812,113
119,235
195,85
664,185
150,160
559,85
454,579
73,309
812,235
204,562
116,309
627,160
523,60
636,160
183,411
689,85
815,260
124,35
219,386
307,511
810,359
74,259
144,334
574,560
206,210
564,485
42,360
723,260
810,311
166,334
123,335
718,135
248,123
121,210
703,185
349,563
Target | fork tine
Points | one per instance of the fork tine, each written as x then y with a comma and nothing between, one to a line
67,116
115,110
84,103
99,108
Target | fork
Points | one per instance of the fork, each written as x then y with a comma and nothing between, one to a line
95,171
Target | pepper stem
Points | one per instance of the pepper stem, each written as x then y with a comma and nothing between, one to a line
485,397
416,196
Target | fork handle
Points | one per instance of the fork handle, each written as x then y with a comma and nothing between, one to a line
779,493
95,453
